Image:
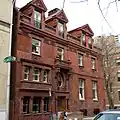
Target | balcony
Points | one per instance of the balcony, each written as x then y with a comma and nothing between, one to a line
65,64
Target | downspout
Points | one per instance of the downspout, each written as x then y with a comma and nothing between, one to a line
9,64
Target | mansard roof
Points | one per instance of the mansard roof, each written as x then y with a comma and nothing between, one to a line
85,28
36,3
59,14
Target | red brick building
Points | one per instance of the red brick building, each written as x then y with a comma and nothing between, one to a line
56,70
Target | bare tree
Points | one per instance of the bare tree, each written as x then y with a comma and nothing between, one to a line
108,63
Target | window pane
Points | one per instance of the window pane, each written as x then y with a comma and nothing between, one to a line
46,103
25,105
36,105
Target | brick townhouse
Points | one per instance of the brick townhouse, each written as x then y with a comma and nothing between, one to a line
56,70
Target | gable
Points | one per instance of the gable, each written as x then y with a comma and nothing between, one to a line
61,15
87,29
40,4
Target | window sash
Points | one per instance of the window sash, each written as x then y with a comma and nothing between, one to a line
93,63
80,60
36,46
60,27
94,89
46,104
45,76
26,73
36,75
36,105
81,90
26,105
37,18
60,53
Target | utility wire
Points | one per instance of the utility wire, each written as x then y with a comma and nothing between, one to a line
104,16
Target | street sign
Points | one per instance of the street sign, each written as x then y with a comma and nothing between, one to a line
9,59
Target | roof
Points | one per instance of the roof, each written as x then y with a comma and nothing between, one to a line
59,14
38,3
83,28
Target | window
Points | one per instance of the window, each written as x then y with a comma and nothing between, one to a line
83,40
90,43
26,105
60,53
45,79
119,95
46,104
61,29
37,19
80,59
36,105
94,89
36,74
81,90
118,75
36,47
26,73
93,63
118,61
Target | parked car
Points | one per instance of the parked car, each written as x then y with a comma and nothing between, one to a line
108,115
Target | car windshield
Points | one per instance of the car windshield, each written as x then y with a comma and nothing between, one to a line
107,116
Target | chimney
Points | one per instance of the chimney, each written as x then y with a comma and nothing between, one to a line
53,11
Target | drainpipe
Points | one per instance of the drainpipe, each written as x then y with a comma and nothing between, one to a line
9,64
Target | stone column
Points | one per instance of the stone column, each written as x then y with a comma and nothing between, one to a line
42,75
21,105
42,20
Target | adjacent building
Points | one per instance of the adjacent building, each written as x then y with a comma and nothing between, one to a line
5,50
115,92
56,70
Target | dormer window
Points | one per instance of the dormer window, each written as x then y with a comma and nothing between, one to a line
37,19
90,43
60,29
83,40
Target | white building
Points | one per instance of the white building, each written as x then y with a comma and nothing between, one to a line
6,10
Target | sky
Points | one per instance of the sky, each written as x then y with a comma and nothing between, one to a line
81,13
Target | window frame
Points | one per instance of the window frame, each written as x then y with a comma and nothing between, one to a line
38,75
61,32
60,53
26,105
36,104
37,20
46,104
81,87
37,47
93,62
95,90
45,76
27,73
80,60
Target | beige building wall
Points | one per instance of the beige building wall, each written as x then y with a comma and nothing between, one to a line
5,25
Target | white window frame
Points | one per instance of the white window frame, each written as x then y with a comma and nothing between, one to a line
94,88
38,75
81,86
60,53
27,73
83,39
38,48
45,79
93,62
36,13
80,59
60,27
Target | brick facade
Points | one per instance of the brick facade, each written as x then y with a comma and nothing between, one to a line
62,86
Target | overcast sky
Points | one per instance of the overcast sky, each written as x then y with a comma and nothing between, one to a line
80,13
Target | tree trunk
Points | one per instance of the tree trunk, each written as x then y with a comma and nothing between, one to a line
110,98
